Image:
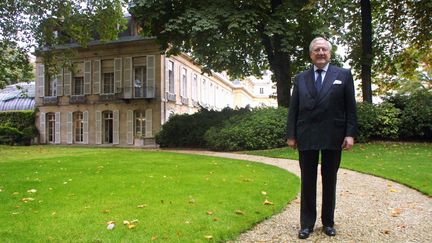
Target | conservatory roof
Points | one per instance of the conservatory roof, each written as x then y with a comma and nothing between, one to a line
19,96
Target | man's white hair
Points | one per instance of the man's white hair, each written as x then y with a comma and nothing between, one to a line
317,39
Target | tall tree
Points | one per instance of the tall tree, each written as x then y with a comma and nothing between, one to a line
366,56
41,24
14,64
402,41
242,37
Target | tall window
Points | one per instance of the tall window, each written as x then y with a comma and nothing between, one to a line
184,83
78,83
203,91
108,83
261,90
78,79
139,124
78,127
52,87
140,75
50,117
107,127
108,76
194,87
171,77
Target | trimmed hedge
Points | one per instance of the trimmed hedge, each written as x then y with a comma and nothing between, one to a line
400,117
261,128
416,114
17,127
188,130
377,121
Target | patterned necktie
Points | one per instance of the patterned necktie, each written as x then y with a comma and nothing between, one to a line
318,81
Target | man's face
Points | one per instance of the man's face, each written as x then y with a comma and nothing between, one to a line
320,53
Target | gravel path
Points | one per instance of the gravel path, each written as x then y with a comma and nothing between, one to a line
368,209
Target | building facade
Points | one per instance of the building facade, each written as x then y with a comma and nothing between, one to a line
120,93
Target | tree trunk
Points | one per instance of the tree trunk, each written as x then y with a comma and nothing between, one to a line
281,69
367,56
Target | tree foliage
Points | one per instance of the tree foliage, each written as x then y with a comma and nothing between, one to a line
402,41
41,25
242,37
14,64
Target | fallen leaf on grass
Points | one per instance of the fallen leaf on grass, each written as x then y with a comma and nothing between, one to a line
110,225
208,237
239,212
27,199
209,213
395,212
264,193
154,237
32,191
142,206
126,222
15,193
131,226
267,202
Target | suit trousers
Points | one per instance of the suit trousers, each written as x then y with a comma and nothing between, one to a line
330,161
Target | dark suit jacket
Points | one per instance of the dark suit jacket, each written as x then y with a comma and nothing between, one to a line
322,120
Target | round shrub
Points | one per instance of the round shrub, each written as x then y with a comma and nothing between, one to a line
262,128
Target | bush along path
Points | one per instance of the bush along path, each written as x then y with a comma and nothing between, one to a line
368,209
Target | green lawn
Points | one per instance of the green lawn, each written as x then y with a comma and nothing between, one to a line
406,163
174,197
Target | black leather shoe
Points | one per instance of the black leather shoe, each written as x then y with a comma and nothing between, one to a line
304,233
330,231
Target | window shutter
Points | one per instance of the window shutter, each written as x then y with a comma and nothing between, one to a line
96,76
69,128
87,77
116,127
57,128
40,80
42,127
67,81
130,127
60,83
150,76
148,123
166,75
85,127
117,75
98,127
127,77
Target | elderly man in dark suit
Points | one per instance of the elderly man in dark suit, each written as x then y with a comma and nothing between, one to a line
322,118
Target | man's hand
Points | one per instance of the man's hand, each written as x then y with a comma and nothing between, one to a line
348,143
292,143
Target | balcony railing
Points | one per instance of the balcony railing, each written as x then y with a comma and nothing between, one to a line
170,96
50,100
77,99
185,100
146,93
108,97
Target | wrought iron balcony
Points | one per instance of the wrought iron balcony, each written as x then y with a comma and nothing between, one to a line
50,100
77,99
